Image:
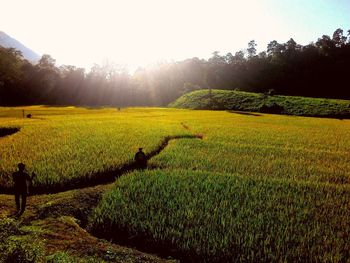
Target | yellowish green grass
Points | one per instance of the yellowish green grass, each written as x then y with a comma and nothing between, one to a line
218,217
256,188
273,146
80,142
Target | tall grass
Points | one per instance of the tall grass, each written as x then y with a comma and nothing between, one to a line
217,217
256,188
62,148
272,146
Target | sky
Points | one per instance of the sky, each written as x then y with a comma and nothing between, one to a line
139,32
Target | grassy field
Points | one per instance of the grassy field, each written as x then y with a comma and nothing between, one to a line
255,188
69,144
257,102
215,217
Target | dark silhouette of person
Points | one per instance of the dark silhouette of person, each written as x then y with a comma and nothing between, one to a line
21,181
140,159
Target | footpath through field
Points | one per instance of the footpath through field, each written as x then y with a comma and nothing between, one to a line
58,220
257,187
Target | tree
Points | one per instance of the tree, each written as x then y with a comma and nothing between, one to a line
187,87
47,62
338,38
317,69
11,62
274,48
10,65
229,58
216,60
262,55
291,45
325,44
251,49
45,82
72,86
239,57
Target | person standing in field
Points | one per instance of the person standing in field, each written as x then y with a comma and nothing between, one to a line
140,159
21,180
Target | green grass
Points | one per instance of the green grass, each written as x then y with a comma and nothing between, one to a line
297,148
247,101
279,184
257,187
75,143
19,244
216,217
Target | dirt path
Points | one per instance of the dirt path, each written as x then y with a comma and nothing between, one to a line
59,220
105,177
61,217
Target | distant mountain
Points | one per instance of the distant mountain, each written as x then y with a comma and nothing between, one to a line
7,42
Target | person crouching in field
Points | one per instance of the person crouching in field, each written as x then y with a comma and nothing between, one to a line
140,159
21,180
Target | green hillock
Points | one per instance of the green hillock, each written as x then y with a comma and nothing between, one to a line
258,102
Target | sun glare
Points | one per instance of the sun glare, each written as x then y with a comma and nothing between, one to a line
136,33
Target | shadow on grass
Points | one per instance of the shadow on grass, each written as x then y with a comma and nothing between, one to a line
8,131
245,113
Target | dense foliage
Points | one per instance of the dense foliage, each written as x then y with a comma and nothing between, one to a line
316,70
260,102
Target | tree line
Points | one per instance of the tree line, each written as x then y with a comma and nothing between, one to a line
319,69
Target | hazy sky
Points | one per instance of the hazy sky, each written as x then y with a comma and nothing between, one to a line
138,32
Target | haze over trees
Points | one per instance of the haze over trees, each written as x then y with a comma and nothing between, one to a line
319,69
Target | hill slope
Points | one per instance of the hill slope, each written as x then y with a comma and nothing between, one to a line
257,102
8,42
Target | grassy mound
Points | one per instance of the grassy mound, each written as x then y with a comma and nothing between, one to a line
258,102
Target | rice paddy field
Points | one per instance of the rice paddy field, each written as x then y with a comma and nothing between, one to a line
257,187
68,144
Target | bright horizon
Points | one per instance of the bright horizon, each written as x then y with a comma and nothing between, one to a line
137,33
